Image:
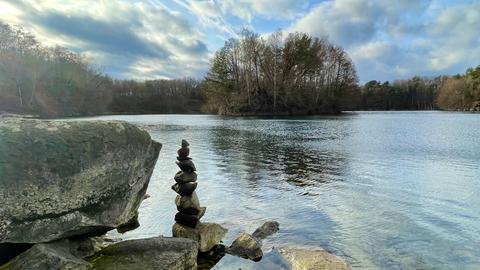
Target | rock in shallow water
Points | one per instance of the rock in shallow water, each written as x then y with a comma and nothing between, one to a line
308,259
250,246
246,246
65,178
159,253
267,229
207,235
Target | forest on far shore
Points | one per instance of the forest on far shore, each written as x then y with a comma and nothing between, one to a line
278,74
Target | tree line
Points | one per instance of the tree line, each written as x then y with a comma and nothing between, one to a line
251,74
276,75
461,92
157,96
48,81
417,93
55,82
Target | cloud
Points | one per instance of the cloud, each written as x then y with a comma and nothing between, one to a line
398,39
247,9
209,14
115,38
457,34
172,38
350,22
121,35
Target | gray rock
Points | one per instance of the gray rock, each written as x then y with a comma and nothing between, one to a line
102,242
188,204
187,220
131,225
207,235
246,246
267,229
186,165
272,260
154,253
185,189
60,255
190,219
250,246
310,259
184,177
64,178
183,153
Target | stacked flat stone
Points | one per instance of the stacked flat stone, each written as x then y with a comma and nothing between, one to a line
188,225
188,205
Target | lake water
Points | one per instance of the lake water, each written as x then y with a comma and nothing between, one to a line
382,190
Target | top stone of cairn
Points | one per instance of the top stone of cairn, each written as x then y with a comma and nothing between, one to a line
184,151
184,162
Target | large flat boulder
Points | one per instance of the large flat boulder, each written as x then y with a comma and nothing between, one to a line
64,178
159,253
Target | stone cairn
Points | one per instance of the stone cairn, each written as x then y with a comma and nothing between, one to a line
188,225
188,205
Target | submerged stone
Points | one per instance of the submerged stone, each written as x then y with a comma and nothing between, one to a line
207,235
267,229
310,259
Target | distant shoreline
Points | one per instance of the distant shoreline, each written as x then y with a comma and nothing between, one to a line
6,114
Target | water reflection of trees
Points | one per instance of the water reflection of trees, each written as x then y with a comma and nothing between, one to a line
262,156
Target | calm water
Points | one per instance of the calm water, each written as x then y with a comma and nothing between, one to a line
382,190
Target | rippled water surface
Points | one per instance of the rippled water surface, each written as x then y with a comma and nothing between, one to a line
396,190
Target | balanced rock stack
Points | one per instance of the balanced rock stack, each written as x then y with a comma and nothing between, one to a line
188,206
188,224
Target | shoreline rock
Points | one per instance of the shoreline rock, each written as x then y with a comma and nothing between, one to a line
159,253
207,235
250,246
46,256
247,247
62,178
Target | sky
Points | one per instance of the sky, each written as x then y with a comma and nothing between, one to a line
151,39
